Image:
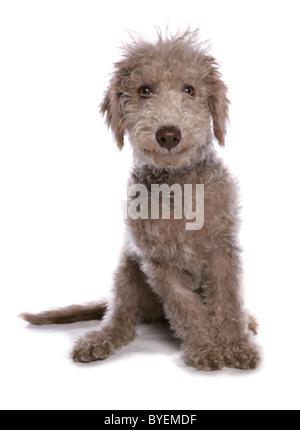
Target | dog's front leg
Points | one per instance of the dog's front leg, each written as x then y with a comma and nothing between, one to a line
119,325
186,314
228,317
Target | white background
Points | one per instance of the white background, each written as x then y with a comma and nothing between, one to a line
62,181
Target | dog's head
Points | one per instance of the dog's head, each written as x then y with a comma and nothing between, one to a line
170,98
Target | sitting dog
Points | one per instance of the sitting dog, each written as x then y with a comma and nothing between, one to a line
170,99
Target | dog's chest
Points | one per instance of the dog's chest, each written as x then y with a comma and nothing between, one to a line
159,218
161,239
176,229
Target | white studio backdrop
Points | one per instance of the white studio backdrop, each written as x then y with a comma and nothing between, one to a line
62,181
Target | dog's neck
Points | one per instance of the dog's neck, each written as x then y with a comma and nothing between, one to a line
147,173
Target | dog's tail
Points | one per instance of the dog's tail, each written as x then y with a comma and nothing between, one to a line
70,314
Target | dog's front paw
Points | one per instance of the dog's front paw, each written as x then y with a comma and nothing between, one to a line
206,358
244,356
91,348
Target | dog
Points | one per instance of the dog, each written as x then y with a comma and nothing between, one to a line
170,99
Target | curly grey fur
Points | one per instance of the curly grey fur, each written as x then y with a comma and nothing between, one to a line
189,278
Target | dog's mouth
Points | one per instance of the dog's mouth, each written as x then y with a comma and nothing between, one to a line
164,154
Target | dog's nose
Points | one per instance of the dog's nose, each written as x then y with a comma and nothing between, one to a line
168,137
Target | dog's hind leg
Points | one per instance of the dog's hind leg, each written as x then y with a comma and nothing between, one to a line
253,324
150,306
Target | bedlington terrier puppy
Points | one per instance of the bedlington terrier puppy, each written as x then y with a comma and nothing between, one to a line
170,100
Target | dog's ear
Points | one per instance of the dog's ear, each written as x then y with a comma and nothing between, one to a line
217,101
111,106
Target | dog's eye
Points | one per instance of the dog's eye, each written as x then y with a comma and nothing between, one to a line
145,91
188,89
